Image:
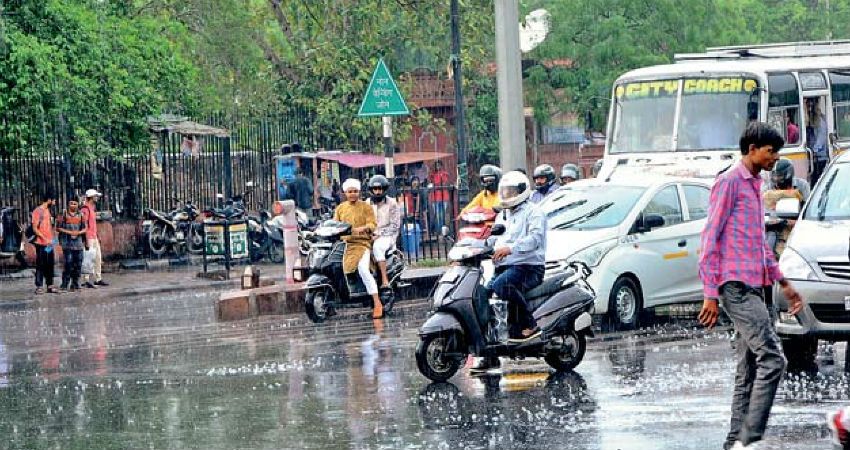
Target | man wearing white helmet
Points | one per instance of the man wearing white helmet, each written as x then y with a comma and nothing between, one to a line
519,253
569,173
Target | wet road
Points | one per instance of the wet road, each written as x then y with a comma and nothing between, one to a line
162,373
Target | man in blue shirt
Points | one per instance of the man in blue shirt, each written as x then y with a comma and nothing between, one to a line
544,183
519,253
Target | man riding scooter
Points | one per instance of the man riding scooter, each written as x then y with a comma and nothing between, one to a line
388,222
520,257
358,253
782,186
544,182
488,198
569,173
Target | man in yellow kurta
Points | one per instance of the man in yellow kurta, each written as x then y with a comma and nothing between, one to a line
358,256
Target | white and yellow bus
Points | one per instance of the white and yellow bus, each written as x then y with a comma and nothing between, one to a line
686,118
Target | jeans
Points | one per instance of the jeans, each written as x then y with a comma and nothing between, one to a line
510,284
439,210
44,262
819,164
72,268
760,362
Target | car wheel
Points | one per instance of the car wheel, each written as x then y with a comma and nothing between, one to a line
800,352
624,305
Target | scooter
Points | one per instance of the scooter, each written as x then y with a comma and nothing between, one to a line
465,320
478,223
266,236
11,236
178,231
328,287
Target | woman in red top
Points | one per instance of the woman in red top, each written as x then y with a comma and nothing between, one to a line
42,225
439,196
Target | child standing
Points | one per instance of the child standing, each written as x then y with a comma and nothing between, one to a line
72,232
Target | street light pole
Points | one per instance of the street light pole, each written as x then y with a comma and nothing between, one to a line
509,82
460,123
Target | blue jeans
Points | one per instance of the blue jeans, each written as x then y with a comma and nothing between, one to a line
72,268
510,284
439,211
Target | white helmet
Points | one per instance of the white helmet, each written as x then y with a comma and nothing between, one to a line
514,188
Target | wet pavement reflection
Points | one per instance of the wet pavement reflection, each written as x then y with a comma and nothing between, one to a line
160,372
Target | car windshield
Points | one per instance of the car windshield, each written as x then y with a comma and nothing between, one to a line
713,114
831,199
590,207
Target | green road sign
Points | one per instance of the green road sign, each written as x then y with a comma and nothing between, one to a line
382,97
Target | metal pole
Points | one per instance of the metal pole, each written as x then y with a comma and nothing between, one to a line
388,146
509,80
228,170
460,122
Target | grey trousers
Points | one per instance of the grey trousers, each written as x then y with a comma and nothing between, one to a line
760,362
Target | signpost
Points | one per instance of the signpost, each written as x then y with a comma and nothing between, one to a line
384,99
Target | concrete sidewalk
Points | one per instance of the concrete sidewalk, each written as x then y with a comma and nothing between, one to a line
129,283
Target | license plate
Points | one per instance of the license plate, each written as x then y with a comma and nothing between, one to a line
847,303
180,235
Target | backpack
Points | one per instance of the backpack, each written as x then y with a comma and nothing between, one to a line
29,232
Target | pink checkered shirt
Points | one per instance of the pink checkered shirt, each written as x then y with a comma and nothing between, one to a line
733,246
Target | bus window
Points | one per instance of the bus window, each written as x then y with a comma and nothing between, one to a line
715,111
643,116
841,104
783,106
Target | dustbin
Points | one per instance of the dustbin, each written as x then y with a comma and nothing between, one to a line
411,236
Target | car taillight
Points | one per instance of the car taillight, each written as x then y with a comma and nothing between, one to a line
208,214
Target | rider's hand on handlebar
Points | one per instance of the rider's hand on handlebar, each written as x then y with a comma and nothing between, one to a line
501,253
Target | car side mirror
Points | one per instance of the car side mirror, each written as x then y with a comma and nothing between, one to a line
647,222
497,230
788,208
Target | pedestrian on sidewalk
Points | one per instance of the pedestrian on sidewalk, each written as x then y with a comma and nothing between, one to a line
71,227
92,242
735,267
42,226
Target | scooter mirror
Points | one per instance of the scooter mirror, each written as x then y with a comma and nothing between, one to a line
497,230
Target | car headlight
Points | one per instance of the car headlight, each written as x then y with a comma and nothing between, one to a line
593,255
794,266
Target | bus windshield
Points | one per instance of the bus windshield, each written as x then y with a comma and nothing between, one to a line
712,115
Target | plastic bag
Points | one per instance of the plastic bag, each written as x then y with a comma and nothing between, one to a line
88,261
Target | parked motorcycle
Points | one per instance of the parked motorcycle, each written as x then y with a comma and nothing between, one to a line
11,236
177,231
265,233
328,288
465,320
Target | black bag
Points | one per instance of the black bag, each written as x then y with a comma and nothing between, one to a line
29,234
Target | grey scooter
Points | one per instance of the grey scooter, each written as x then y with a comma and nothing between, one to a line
465,321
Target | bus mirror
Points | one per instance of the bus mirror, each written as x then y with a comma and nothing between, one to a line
752,110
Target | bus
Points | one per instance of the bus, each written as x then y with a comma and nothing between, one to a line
686,118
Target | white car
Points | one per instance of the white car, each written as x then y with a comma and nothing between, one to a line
639,236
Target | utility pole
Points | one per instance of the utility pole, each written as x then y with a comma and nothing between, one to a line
509,81
460,123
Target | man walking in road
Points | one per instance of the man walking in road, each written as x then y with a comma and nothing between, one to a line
735,266
90,214
303,193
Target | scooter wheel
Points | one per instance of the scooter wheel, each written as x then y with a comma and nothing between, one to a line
570,353
431,358
316,305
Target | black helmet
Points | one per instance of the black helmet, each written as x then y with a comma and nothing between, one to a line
489,176
782,175
378,181
544,171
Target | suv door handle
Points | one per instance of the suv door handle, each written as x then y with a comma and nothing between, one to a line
682,243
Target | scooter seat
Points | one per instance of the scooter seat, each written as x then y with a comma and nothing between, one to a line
548,287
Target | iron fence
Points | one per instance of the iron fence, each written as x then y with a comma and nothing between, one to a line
169,171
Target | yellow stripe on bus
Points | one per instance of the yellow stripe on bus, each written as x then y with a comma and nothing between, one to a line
675,255
795,156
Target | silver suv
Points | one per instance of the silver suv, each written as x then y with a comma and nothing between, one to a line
817,262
